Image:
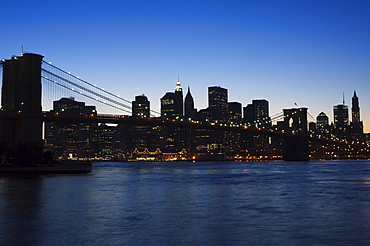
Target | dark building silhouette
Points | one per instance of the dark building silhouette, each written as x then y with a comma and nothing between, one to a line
257,114
322,125
340,116
355,109
190,111
341,121
235,112
172,103
172,139
21,93
322,120
140,134
71,140
356,126
249,115
218,104
141,106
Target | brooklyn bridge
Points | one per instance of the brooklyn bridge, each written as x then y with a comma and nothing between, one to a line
30,87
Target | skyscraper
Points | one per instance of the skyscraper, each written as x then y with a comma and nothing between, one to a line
172,103
141,107
235,112
218,104
355,109
356,130
257,113
340,115
190,110
322,120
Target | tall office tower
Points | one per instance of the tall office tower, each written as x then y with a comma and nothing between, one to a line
21,92
257,114
322,120
262,112
340,115
140,135
356,130
172,106
235,112
179,100
73,139
218,104
172,103
341,122
141,107
322,125
355,109
248,115
190,110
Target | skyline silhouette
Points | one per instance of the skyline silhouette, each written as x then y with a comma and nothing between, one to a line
285,52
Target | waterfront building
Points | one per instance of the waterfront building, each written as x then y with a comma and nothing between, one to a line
103,141
257,114
70,140
341,121
322,125
218,104
172,103
356,126
172,107
340,116
190,111
141,106
235,112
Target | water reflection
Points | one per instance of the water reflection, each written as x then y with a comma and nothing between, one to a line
264,203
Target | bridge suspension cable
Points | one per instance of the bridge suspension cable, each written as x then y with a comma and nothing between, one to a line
93,92
314,120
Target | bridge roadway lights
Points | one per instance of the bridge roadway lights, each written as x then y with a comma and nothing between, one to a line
296,148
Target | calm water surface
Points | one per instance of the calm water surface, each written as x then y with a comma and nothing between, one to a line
223,203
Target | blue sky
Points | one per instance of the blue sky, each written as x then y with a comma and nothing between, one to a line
306,52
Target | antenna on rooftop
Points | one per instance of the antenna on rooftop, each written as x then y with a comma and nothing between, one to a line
343,99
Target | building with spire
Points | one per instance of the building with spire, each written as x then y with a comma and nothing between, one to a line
190,111
355,109
172,103
356,126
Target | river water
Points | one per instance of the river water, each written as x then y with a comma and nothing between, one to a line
219,203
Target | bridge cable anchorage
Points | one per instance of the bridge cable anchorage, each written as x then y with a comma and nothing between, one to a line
85,95
94,86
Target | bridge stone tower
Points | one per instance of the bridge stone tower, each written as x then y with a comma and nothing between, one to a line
296,146
21,99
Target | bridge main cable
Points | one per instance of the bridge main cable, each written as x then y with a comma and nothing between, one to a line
85,95
94,86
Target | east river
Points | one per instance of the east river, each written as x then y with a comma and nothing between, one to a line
219,203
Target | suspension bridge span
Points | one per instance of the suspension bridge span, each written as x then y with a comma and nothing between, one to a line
29,85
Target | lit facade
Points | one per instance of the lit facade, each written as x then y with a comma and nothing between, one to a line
141,107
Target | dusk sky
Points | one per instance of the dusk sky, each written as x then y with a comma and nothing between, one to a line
307,52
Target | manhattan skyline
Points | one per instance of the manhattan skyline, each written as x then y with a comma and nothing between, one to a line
286,52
